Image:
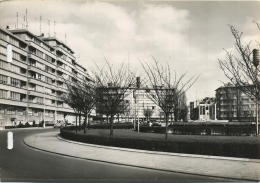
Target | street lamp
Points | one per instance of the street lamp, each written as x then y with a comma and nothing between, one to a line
256,63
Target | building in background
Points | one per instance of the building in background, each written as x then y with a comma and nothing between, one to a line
203,110
31,72
234,105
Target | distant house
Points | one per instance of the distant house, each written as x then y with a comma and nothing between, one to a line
203,110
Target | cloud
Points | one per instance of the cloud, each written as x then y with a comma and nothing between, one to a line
116,31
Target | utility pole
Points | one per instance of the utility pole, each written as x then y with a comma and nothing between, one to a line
256,59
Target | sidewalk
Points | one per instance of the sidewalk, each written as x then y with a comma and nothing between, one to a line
222,167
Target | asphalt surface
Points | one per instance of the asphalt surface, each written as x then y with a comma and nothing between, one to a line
24,164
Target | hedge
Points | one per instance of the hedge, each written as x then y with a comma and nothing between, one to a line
229,149
227,129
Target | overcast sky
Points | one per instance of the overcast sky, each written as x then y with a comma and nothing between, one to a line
190,36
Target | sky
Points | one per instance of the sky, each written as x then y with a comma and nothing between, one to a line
190,35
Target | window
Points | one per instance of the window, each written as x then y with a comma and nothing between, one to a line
37,41
2,110
36,112
15,96
3,36
15,82
14,42
3,65
10,110
30,111
3,93
48,102
3,50
49,69
39,53
48,80
48,58
3,79
48,90
16,56
15,68
39,65
39,100
20,111
39,88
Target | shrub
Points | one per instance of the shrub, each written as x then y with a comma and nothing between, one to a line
231,149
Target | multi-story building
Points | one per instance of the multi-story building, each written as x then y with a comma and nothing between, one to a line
204,110
32,69
234,105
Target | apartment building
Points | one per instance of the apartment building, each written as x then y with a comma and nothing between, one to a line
234,105
32,69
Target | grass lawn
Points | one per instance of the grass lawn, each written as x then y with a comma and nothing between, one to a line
129,133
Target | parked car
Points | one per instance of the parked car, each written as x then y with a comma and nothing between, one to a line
57,125
156,124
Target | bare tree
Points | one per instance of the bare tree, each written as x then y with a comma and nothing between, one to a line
81,97
113,84
240,68
71,98
166,87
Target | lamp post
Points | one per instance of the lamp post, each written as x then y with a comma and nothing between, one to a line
256,63
138,82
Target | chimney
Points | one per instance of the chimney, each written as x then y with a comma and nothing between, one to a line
7,27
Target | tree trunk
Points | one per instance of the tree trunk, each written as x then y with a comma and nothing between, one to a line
85,121
166,127
88,122
111,125
76,123
79,121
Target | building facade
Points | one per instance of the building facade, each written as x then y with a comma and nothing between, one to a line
234,105
32,73
203,110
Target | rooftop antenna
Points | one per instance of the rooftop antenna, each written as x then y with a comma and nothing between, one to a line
65,39
54,29
17,20
49,28
26,18
23,24
40,24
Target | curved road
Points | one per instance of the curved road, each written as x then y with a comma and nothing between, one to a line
23,163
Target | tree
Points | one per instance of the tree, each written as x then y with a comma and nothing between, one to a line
81,97
242,68
166,87
71,99
113,84
148,113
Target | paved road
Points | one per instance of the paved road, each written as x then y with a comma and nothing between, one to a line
27,164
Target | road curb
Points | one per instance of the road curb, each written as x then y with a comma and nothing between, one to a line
160,152
138,165
110,162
